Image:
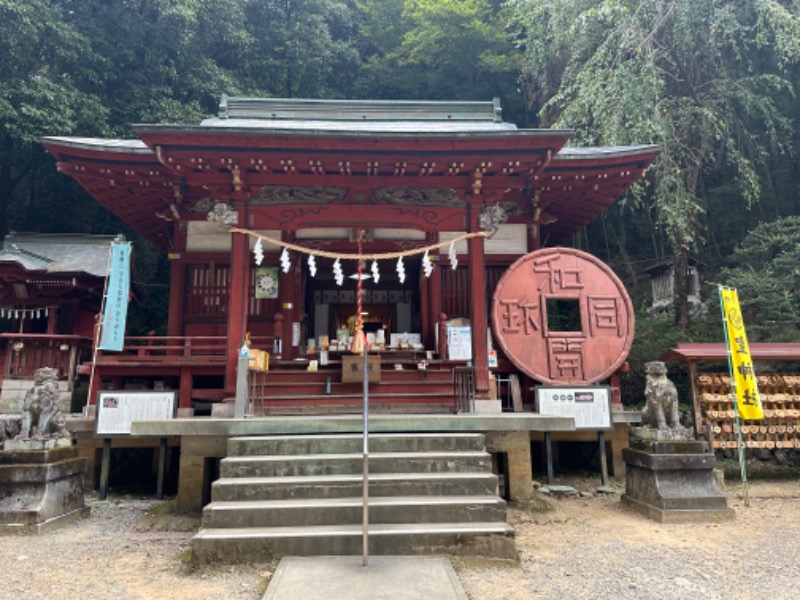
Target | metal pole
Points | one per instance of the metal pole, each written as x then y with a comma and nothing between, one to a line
98,327
738,423
365,523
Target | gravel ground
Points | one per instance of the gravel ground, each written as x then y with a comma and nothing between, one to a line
590,547
577,547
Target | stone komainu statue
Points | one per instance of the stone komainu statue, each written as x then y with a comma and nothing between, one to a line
41,417
661,398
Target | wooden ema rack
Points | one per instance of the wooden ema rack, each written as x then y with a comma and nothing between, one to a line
780,399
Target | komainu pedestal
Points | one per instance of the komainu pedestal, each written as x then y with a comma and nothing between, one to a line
672,481
41,486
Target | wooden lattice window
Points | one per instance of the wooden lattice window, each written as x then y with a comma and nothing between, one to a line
456,297
455,292
207,291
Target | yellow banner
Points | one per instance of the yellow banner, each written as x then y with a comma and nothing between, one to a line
744,376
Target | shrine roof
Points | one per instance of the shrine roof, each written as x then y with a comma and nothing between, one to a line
577,153
108,145
255,143
785,351
358,110
58,253
355,127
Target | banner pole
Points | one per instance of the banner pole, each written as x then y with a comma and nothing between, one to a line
99,324
738,422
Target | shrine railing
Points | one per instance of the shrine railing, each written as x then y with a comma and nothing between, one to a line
175,347
161,348
464,389
27,352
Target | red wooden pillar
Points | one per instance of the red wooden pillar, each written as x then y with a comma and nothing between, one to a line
177,283
477,307
52,317
238,301
441,346
435,301
185,389
95,385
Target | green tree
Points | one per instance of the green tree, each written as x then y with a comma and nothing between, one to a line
44,74
440,49
765,269
300,48
710,81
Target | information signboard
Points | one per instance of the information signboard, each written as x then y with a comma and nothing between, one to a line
117,410
589,406
459,342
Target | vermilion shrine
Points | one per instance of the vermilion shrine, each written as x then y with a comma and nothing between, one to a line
404,175
445,218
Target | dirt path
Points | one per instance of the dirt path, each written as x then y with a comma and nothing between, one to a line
592,548
585,547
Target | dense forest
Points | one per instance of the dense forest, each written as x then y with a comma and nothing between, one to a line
713,82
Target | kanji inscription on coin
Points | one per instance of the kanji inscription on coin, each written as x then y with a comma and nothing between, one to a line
562,316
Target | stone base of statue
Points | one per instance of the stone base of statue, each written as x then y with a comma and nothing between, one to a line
41,486
670,479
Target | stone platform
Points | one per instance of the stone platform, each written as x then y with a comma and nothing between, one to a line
673,481
204,441
41,486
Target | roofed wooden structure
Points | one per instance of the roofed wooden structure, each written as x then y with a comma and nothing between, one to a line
312,172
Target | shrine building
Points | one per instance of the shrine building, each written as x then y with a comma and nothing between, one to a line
435,227
314,175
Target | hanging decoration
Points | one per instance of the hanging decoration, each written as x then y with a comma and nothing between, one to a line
360,345
258,251
286,264
376,276
427,264
338,274
451,254
10,312
312,265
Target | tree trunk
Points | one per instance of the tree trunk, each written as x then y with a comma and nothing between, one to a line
6,182
681,287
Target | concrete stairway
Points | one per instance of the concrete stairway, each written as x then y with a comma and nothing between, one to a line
303,496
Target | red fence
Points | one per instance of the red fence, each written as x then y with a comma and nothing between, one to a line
27,352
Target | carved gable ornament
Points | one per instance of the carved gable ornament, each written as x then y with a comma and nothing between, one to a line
284,194
563,317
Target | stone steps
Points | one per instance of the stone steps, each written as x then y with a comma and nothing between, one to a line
343,464
335,486
263,544
351,443
348,510
303,495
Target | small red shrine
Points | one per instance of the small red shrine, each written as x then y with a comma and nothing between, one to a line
51,289
314,176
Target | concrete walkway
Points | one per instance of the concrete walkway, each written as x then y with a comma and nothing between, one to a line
385,577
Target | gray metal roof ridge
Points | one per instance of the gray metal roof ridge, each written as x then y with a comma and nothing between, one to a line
74,238
374,110
135,146
588,152
426,130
